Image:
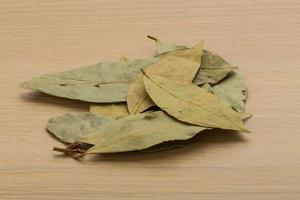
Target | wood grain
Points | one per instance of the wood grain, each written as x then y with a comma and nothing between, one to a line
260,36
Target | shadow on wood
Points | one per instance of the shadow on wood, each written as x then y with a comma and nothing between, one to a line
41,98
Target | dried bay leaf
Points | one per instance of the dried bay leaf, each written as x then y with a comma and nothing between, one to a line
231,87
213,67
138,132
184,143
69,127
192,104
232,90
104,82
112,110
181,66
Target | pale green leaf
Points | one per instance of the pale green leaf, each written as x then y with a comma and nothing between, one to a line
103,82
137,132
213,69
232,90
69,127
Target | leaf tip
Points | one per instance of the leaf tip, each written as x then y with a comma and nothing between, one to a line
246,116
144,73
245,130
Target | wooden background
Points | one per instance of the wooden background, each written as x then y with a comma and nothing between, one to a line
260,36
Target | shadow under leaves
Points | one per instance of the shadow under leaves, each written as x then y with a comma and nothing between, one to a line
41,98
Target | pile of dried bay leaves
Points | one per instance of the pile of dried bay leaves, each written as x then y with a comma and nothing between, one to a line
138,104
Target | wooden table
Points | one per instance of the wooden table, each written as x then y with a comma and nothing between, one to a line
260,36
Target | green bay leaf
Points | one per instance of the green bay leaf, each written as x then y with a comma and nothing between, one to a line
232,90
138,132
213,69
69,127
104,82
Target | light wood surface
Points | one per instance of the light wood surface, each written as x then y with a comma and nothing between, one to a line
260,36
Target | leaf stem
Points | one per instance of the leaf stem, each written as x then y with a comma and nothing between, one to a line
63,150
151,37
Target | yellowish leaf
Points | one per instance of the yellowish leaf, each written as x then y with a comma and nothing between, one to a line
181,66
192,104
114,110
213,67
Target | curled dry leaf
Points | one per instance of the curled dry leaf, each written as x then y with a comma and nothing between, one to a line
137,132
103,82
69,127
112,110
192,104
181,66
